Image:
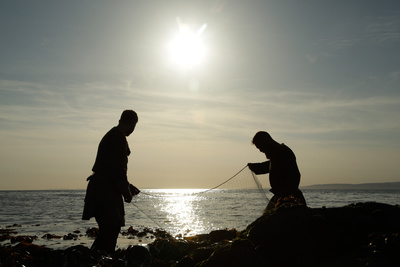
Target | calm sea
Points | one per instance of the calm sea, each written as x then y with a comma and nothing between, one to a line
182,212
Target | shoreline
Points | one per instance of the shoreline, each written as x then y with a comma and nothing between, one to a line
11,235
359,234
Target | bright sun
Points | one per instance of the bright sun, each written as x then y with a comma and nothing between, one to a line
187,49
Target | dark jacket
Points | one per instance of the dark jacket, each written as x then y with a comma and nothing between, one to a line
109,182
284,175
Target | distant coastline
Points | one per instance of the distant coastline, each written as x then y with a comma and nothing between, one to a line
366,186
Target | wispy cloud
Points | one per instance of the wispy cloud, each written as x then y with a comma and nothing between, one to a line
356,33
316,113
382,29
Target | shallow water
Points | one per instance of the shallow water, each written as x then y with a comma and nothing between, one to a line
181,212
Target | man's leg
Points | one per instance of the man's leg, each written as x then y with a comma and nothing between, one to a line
110,236
106,239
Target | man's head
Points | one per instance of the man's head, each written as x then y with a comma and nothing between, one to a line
128,121
264,142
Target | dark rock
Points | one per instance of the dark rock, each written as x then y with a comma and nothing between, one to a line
14,225
202,253
6,234
8,231
171,249
356,235
141,234
5,237
132,231
70,237
222,256
186,261
25,239
92,232
137,256
162,234
23,254
243,249
76,256
220,235
51,236
333,235
198,238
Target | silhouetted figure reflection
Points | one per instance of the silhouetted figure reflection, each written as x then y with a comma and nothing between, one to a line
108,185
284,175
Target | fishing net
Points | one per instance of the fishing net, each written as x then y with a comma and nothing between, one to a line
234,203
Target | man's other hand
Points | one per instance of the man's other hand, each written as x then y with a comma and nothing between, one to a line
134,190
128,198
251,166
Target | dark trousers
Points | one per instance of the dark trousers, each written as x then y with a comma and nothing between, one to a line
106,239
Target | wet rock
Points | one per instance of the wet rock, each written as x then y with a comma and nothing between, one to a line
198,238
70,237
202,253
7,231
78,256
198,255
132,231
137,256
240,252
356,235
23,254
25,239
14,225
5,237
335,235
7,234
51,236
171,249
141,234
220,235
186,261
221,256
242,249
162,234
92,232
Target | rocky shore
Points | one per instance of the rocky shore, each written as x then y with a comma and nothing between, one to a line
361,234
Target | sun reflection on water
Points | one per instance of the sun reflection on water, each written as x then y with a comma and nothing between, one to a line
182,210
188,212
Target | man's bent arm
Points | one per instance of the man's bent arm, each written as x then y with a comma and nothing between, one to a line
259,168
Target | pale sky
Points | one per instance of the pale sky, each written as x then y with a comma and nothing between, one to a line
320,76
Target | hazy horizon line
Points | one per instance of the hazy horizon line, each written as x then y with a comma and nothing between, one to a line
193,188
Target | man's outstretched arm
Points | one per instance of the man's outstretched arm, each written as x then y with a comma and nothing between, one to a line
259,168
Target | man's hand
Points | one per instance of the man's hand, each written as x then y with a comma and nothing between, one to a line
251,166
128,198
259,168
134,190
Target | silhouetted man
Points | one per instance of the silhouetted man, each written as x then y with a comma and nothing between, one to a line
284,175
109,186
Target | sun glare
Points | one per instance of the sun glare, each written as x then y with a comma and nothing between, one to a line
187,49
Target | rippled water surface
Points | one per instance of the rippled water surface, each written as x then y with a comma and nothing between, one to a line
181,211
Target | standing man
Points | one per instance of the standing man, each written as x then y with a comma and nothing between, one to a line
284,175
108,186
